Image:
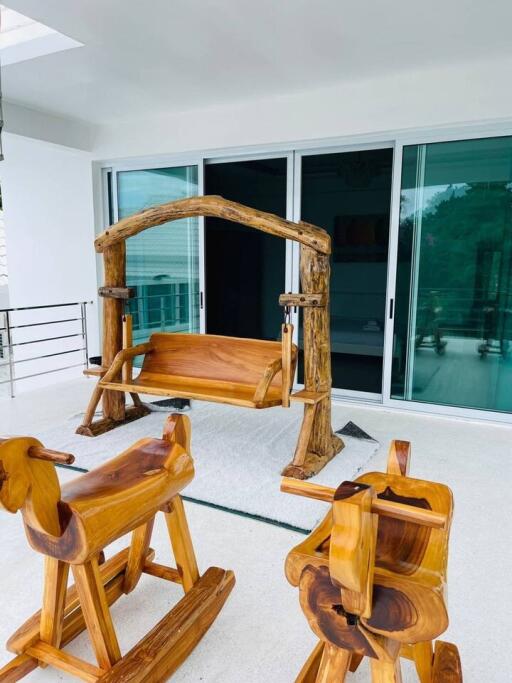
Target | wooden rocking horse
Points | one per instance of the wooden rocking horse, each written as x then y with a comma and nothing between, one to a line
72,526
372,576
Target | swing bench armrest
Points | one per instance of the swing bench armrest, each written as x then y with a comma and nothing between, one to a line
268,375
121,357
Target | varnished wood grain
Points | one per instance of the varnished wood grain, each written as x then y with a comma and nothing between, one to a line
123,494
139,547
55,587
388,532
309,671
94,604
65,661
169,643
93,507
399,456
447,667
181,542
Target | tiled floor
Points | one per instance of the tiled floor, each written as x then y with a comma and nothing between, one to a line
261,635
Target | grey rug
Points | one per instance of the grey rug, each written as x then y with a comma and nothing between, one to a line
238,453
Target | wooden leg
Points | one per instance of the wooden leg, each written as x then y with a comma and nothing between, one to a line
182,544
93,404
136,400
54,596
355,660
18,668
334,665
309,671
139,547
423,655
295,468
447,667
386,671
96,613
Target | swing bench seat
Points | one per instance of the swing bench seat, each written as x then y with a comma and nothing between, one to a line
232,370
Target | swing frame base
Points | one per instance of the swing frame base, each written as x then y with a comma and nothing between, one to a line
106,424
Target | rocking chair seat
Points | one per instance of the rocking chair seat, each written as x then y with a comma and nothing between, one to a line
146,474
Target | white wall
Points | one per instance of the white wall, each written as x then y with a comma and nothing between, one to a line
454,95
49,225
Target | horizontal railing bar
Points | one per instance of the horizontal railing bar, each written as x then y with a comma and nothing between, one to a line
46,355
49,322
33,308
46,372
38,341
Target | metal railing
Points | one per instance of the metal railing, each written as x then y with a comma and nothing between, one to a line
8,345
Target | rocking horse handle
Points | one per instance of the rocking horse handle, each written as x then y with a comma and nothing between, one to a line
385,508
41,453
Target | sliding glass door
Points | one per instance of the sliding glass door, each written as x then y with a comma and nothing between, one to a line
349,195
162,264
452,342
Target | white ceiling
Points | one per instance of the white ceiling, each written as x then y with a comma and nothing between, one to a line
153,57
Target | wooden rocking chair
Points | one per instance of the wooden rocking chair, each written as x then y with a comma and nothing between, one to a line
72,526
372,576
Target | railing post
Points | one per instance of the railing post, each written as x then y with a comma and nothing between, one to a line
83,309
10,351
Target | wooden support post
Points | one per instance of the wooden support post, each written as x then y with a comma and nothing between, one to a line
127,343
334,665
182,544
93,601
55,589
139,547
315,274
114,259
386,671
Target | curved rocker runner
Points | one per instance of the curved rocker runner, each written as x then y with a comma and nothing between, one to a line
72,526
250,373
372,576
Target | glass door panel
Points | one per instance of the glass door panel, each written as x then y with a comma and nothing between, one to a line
349,195
245,268
453,300
162,263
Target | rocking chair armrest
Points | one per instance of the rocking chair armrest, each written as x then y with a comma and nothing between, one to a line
122,356
270,372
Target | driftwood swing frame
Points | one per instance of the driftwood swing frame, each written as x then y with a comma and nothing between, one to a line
317,443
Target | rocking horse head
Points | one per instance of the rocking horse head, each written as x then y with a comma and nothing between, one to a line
28,480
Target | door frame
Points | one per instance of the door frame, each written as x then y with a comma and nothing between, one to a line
338,392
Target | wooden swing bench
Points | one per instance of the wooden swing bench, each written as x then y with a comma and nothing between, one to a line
240,372
251,373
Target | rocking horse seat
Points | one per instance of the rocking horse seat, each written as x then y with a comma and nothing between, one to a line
409,576
93,509
242,372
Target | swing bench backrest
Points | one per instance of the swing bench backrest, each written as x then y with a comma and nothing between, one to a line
245,372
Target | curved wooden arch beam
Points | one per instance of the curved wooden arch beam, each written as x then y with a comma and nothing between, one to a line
214,207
